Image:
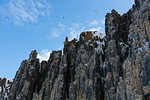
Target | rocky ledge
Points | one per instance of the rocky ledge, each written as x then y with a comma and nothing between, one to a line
95,67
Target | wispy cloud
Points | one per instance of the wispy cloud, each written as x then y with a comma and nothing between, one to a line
55,33
96,25
44,54
73,30
20,11
74,33
61,25
96,29
102,22
97,22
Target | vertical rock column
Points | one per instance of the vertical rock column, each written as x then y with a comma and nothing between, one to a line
87,83
49,78
136,67
112,62
26,79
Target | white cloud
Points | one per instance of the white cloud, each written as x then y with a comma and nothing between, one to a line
20,11
97,22
94,22
55,33
102,22
76,25
73,35
61,25
44,54
96,29
75,31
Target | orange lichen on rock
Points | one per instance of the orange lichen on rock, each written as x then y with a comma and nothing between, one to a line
87,35
115,12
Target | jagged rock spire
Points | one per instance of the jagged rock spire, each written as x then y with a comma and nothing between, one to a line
33,55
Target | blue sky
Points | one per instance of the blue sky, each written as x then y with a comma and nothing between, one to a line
26,25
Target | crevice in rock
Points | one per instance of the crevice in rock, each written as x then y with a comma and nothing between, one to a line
70,70
42,75
43,96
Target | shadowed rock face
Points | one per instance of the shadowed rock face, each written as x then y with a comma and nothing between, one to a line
26,79
95,67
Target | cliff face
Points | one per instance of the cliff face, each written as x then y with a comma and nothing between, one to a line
115,67
128,53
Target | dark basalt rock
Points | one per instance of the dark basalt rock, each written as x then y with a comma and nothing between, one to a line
114,67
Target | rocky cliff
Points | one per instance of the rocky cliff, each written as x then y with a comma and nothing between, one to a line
114,67
4,88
